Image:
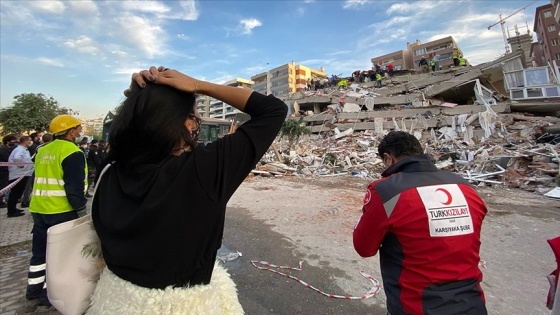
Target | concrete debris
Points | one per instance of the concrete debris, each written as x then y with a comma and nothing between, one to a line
509,158
460,116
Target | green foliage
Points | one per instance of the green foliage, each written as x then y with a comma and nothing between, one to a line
293,130
31,112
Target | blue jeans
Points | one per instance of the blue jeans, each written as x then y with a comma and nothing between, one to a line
36,288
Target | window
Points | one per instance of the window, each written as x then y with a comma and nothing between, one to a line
420,52
554,41
557,56
547,13
551,28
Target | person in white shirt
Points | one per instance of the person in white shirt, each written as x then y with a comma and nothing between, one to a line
19,155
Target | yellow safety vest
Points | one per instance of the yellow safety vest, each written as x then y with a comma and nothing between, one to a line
49,196
462,61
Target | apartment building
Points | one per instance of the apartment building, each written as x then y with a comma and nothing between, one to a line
547,30
285,79
556,9
440,49
399,59
214,108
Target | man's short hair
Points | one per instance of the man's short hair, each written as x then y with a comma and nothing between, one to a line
8,138
400,144
94,141
47,137
24,138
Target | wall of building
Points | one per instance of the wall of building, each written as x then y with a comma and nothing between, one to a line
287,78
410,57
547,29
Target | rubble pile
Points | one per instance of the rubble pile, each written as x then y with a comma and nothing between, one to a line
511,156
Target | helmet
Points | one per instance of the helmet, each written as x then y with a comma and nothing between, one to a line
63,122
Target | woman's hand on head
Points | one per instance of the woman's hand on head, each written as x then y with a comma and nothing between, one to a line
165,76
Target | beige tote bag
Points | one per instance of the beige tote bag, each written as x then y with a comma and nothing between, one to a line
74,263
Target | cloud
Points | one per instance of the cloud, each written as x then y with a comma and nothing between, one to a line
154,7
308,1
248,25
353,4
150,40
412,7
50,62
86,6
300,11
56,7
223,78
83,44
190,12
183,36
181,10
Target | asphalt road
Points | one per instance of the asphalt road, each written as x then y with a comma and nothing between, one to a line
263,292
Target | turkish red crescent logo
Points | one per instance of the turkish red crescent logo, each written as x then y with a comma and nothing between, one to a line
449,198
367,197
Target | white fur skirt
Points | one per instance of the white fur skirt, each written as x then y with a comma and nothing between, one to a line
114,295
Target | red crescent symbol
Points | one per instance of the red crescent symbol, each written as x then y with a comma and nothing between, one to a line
449,198
367,197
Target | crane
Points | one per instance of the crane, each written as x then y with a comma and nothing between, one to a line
502,21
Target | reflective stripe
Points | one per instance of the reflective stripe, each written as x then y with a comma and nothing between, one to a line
49,181
32,281
37,268
45,285
49,193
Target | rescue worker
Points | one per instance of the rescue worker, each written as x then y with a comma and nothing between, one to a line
58,193
378,79
433,65
426,225
462,61
423,64
455,56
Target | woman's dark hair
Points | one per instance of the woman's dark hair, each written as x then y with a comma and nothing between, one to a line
150,125
400,144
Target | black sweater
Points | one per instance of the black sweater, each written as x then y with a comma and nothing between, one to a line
163,226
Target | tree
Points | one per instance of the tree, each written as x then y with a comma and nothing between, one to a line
293,130
31,112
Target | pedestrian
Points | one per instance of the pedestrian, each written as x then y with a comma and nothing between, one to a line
426,225
93,162
9,143
26,198
58,195
20,174
159,209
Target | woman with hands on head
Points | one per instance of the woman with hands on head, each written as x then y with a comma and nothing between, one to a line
159,209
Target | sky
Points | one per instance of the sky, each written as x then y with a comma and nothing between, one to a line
83,53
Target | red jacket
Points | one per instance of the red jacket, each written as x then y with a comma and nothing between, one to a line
426,224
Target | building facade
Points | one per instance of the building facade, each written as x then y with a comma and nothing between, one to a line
399,59
441,50
287,78
214,108
547,29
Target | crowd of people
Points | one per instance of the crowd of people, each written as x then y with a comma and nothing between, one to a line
17,148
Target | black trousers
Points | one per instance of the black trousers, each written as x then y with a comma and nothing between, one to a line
36,288
15,194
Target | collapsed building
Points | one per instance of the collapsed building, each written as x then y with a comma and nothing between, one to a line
496,124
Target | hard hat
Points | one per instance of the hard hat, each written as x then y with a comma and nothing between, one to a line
63,122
